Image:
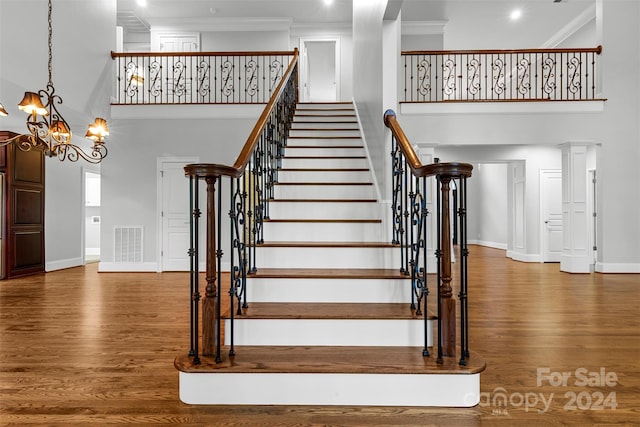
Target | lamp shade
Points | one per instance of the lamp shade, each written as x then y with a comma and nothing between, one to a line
32,103
3,112
60,131
98,129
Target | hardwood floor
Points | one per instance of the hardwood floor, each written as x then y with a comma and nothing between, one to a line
79,347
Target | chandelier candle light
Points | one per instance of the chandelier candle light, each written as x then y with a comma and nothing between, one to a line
49,131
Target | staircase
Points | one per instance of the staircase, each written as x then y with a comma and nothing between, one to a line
328,320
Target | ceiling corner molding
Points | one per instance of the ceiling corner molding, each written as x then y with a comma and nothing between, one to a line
423,27
221,24
572,27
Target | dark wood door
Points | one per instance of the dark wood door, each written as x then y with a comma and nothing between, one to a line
24,211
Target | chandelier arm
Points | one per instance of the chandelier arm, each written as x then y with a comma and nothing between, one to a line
73,153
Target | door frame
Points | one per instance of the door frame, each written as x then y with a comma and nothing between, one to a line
83,200
542,205
160,161
304,65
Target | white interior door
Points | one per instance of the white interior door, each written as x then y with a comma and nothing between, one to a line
174,215
320,70
182,42
551,214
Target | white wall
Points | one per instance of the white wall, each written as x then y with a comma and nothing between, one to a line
367,82
487,192
129,177
245,41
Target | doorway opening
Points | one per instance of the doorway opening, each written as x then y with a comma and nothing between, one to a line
320,69
91,216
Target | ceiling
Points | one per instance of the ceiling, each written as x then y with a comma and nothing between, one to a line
486,20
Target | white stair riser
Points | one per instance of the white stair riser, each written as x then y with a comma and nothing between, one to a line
322,232
304,124
439,390
311,116
333,332
324,176
324,133
324,105
324,142
333,113
329,290
307,192
299,257
327,163
323,210
323,152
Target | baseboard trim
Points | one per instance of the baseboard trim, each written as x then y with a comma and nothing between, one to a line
613,267
63,263
494,245
518,256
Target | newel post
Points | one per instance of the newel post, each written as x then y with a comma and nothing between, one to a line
210,303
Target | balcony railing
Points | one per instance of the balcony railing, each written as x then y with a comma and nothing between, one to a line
198,77
500,75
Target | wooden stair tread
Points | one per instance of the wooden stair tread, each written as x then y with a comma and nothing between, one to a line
311,147
322,137
324,200
324,221
322,183
328,245
330,360
324,157
329,273
322,129
328,310
323,170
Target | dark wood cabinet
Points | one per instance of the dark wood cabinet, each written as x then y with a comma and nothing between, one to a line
23,215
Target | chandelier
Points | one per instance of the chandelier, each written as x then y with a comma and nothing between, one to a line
49,131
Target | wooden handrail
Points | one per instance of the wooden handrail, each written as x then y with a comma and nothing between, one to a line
247,53
417,168
597,50
237,170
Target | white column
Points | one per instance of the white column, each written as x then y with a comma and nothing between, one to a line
575,251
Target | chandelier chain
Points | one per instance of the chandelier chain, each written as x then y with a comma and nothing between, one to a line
50,44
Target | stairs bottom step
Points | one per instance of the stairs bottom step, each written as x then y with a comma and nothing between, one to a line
370,376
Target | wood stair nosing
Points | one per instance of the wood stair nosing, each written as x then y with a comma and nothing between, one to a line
324,220
324,183
313,244
330,359
323,200
323,170
328,310
329,273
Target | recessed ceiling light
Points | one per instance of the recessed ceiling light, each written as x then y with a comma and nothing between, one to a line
516,14
142,3
328,2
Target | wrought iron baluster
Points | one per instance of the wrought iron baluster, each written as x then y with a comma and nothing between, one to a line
195,291
464,254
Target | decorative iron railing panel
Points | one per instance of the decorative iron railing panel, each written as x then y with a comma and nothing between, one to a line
410,186
250,181
198,77
500,75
